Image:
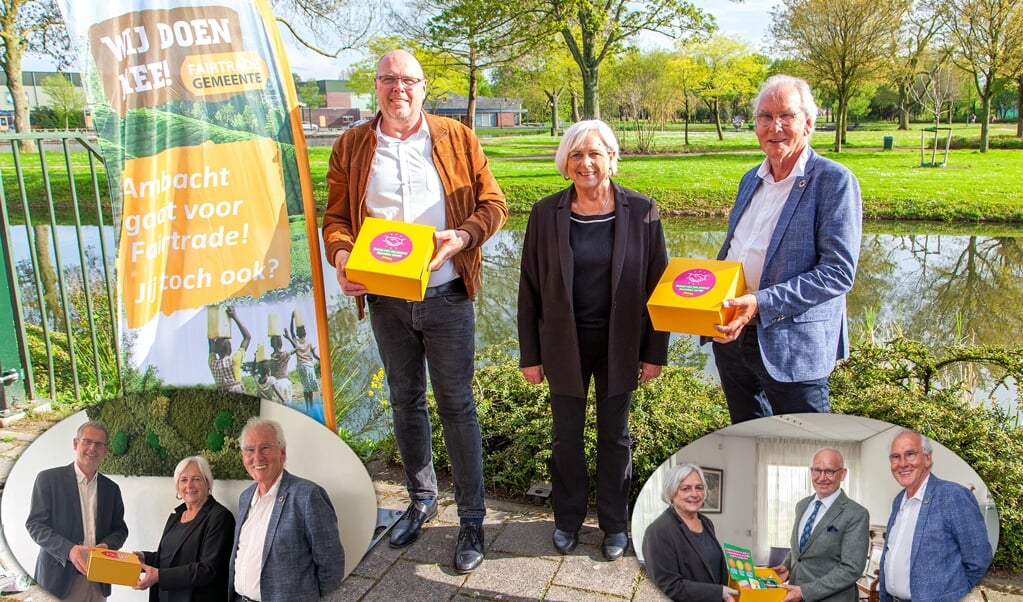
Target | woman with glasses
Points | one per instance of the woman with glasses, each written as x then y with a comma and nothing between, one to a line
592,255
191,562
683,556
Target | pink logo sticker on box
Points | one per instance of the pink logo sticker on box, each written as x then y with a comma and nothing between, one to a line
110,554
693,283
390,247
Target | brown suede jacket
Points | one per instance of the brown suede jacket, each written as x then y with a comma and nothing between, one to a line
473,201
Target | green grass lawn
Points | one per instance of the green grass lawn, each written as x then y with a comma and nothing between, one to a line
972,187
700,180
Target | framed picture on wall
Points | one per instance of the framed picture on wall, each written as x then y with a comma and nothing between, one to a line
714,485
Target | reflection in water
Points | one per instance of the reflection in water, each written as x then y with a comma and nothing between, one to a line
936,288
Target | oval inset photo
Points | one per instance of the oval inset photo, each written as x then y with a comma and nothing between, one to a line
816,504
180,519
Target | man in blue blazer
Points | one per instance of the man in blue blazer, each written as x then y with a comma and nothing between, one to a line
936,547
286,540
796,229
830,538
55,518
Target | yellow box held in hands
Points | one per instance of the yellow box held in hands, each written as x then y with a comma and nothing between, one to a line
391,258
759,593
689,294
111,566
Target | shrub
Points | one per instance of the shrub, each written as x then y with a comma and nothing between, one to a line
515,419
905,383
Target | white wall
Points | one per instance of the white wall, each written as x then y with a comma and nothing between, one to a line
735,456
313,453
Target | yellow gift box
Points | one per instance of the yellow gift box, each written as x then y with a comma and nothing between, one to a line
765,594
111,566
689,294
391,258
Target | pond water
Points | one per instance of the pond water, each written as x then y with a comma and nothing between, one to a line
928,284
916,280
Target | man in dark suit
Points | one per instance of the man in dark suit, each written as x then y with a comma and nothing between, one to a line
796,229
829,539
937,547
286,540
75,509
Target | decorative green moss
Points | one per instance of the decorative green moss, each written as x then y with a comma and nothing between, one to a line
119,443
158,428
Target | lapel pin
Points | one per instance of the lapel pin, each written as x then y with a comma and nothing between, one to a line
802,183
280,499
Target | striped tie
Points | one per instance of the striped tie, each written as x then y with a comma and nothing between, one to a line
808,527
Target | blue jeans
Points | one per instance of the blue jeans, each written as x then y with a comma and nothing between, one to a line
750,390
438,334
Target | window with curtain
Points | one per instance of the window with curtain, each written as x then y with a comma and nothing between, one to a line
783,478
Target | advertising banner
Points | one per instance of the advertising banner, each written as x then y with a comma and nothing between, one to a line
199,125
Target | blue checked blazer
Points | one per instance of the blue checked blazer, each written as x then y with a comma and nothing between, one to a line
302,554
951,551
809,267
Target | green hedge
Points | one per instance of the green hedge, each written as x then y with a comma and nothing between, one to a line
896,382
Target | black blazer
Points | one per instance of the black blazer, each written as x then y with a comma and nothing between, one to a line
55,523
676,563
198,571
546,318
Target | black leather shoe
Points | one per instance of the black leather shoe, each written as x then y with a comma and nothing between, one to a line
564,541
469,549
406,530
615,545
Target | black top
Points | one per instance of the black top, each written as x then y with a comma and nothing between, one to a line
592,240
710,547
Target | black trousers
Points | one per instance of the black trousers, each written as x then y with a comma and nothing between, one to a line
569,473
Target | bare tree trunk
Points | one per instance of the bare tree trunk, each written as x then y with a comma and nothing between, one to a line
50,303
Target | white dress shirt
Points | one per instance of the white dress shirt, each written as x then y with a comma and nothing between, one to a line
753,233
87,498
900,544
825,505
404,186
248,563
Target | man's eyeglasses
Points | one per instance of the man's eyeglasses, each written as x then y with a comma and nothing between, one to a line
909,456
91,443
765,119
827,472
263,450
392,80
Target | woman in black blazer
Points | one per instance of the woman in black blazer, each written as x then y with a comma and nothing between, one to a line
592,255
191,563
682,554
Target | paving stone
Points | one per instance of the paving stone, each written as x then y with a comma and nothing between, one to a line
527,536
412,580
508,577
353,587
559,593
586,569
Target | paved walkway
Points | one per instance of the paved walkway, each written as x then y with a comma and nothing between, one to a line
521,562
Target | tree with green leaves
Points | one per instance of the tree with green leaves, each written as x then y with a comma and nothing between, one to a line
478,34
328,27
309,93
730,70
29,26
541,78
842,44
912,47
65,98
984,36
594,31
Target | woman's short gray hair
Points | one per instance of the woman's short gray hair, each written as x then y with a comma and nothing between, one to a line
201,464
573,137
676,475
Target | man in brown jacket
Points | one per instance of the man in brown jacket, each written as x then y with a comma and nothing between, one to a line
412,167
